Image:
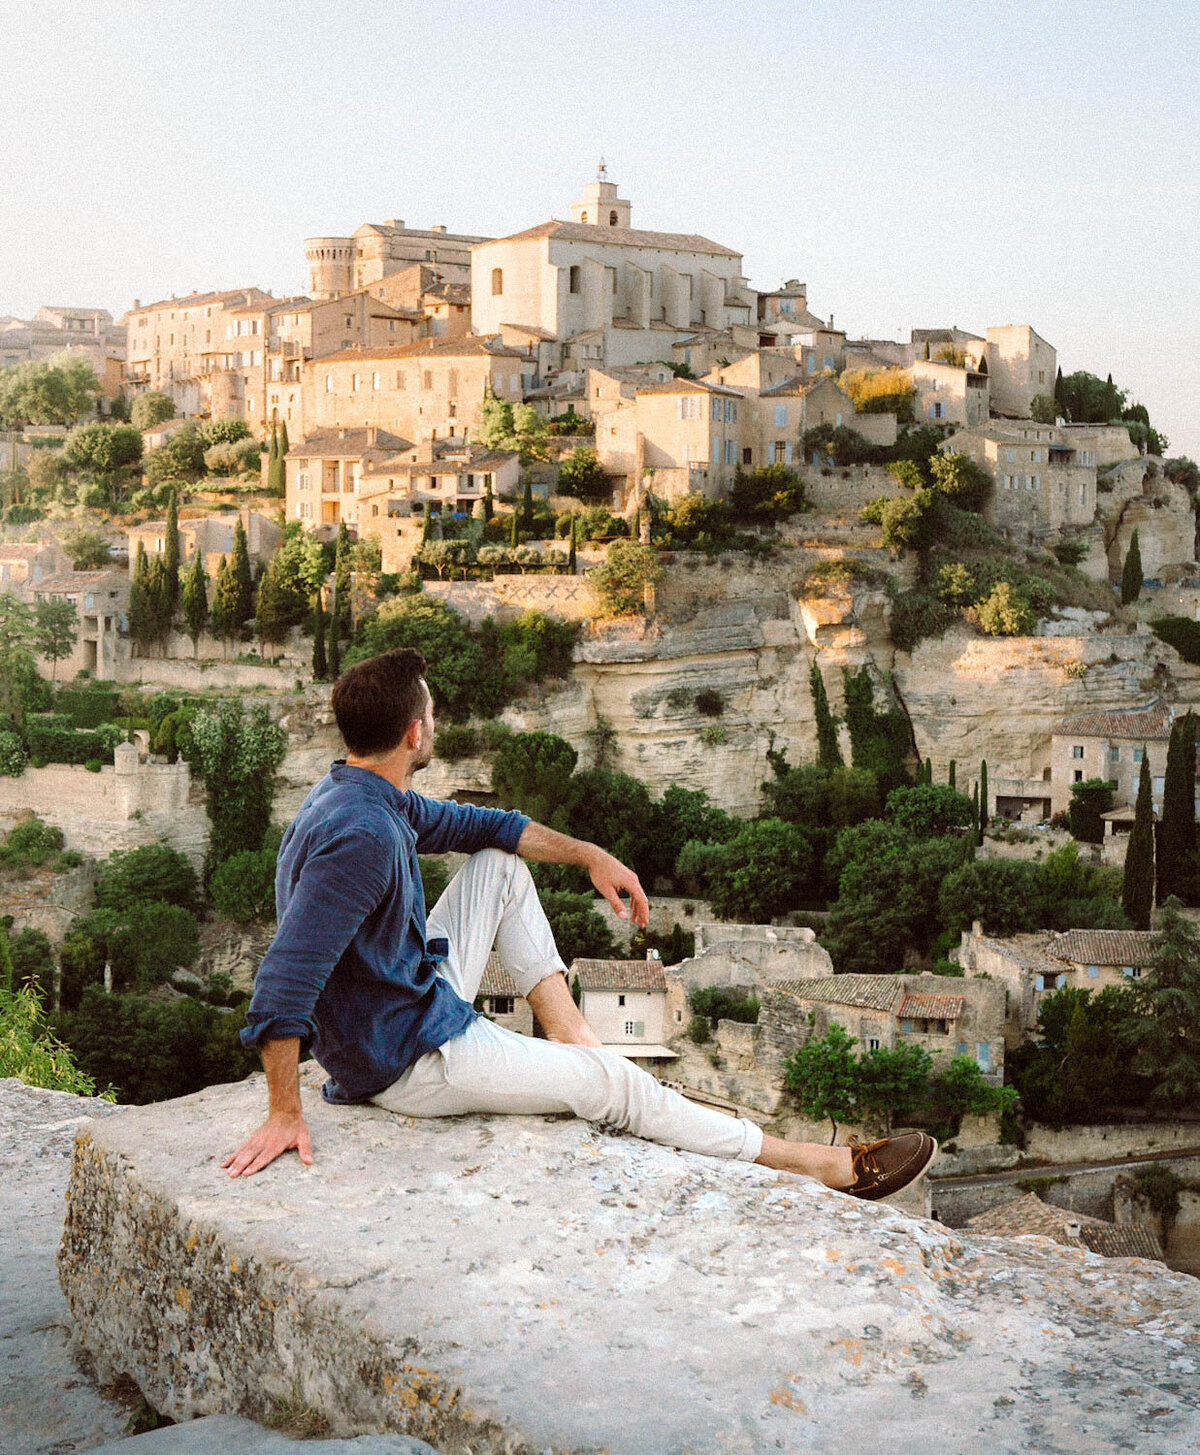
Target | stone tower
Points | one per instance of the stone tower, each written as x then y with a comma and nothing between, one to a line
600,206
329,266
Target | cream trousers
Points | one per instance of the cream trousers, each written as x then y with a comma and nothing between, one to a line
493,900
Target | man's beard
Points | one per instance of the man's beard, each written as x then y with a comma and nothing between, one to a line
424,760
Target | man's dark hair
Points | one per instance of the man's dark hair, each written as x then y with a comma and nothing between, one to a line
376,701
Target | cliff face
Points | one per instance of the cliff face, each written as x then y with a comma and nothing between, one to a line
524,1285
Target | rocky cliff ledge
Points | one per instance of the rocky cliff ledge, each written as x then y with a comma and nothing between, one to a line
532,1285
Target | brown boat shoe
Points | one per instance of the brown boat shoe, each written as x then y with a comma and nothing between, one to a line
884,1167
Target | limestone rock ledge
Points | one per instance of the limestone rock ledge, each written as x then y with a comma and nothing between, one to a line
536,1284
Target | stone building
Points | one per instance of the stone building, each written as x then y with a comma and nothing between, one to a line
1032,966
321,472
101,602
603,292
1022,965
1021,365
212,536
1043,480
892,1010
338,265
171,346
499,1001
625,1003
950,394
1110,745
53,330
24,563
430,389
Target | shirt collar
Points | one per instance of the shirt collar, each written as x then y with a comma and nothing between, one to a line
342,772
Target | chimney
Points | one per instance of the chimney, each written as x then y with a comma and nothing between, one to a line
438,227
372,433
1072,1230
652,957
137,303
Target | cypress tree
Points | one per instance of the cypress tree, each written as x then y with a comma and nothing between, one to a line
195,599
273,461
341,582
1177,836
635,530
320,664
171,550
829,754
527,505
571,550
1137,890
975,814
158,603
335,657
983,800
514,535
1060,395
140,608
953,771
927,772
926,353
427,527
489,506
224,614
1131,572
242,575
283,442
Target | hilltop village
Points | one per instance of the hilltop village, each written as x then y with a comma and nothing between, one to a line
875,658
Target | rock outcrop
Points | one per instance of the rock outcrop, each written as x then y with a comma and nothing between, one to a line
47,1404
534,1284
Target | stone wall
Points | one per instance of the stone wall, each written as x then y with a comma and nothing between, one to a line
101,812
1180,1239
850,487
1106,1142
504,597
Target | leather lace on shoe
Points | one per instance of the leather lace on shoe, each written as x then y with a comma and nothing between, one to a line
884,1167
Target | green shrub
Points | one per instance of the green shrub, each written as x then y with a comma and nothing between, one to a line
243,886
1181,633
12,755
86,708
710,703
698,1030
1070,553
94,765
456,741
150,874
917,615
1005,612
34,842
725,1003
49,739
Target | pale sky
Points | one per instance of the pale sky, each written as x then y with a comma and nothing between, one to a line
918,163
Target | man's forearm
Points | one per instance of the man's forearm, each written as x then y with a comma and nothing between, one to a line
281,1062
548,846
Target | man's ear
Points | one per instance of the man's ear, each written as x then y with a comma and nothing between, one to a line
412,735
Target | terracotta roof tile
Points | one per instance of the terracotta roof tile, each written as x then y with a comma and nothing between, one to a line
335,444
1104,947
689,386
1028,1215
874,992
930,1007
619,974
1149,723
495,979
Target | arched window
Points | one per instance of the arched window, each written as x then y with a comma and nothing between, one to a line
574,276
612,219
583,217
497,282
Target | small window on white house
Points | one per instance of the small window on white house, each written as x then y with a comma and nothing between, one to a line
620,1000
1077,750
1093,972
328,383
1078,776
1138,754
1114,755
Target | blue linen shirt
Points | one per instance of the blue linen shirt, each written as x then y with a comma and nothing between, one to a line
349,970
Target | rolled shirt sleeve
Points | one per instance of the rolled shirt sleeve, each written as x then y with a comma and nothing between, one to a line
444,827
339,885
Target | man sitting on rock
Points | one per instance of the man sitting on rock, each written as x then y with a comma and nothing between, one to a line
385,999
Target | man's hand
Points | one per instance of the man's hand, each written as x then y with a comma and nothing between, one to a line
610,877
278,1134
